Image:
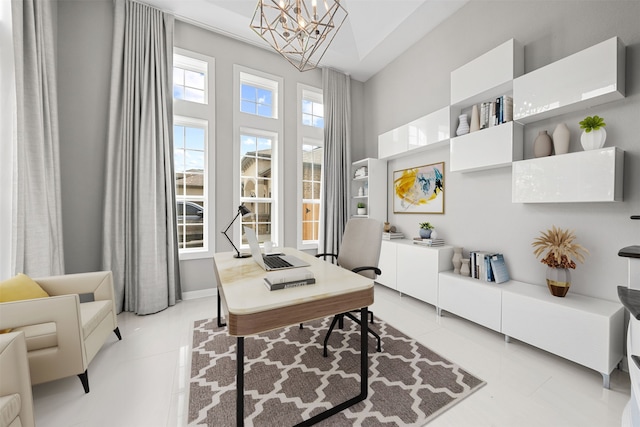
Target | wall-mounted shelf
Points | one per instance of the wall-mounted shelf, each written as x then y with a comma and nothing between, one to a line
374,185
493,147
585,176
425,133
587,78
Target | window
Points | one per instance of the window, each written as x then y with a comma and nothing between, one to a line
193,133
258,130
310,161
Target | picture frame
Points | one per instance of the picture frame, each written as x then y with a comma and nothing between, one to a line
419,190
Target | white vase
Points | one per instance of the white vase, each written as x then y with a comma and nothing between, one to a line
463,127
362,211
561,138
457,260
475,119
434,234
464,269
593,140
542,146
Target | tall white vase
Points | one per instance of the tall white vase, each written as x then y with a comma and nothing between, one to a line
475,119
561,138
457,260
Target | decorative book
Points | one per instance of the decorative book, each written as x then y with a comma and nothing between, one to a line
499,268
290,278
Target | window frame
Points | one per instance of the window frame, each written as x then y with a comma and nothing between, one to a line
190,112
307,135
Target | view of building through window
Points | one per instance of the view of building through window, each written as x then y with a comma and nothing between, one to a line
312,157
256,183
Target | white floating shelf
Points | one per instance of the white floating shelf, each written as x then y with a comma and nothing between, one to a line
494,147
585,176
424,133
590,77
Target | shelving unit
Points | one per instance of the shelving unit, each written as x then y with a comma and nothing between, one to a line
484,79
425,133
585,176
374,185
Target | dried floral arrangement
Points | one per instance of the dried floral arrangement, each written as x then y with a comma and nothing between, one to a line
560,248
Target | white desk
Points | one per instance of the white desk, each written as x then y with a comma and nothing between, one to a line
250,308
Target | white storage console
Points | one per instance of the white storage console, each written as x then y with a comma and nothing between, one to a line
585,330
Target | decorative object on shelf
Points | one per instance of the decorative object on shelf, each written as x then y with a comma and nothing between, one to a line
425,230
463,126
464,269
387,227
560,248
561,138
457,260
593,134
366,188
542,144
362,209
419,190
299,30
434,234
360,191
475,119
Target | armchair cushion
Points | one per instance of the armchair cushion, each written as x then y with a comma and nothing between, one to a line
42,335
20,287
9,408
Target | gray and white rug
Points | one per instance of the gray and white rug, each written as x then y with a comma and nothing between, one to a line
287,380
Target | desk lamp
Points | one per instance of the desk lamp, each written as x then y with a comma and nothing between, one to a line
242,209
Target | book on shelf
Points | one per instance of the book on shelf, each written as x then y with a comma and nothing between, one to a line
428,242
387,235
499,268
493,113
291,278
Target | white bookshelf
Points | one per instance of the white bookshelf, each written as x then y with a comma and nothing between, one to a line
374,183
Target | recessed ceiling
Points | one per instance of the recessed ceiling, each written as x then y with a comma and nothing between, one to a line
374,34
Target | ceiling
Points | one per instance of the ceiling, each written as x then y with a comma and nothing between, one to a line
374,34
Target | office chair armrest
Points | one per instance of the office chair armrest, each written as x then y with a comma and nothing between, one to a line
325,255
375,270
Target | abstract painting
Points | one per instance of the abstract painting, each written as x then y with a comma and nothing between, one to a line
419,189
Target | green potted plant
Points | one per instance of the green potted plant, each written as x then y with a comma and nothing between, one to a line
560,249
593,134
362,209
425,230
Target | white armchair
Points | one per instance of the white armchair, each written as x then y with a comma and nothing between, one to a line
63,335
16,401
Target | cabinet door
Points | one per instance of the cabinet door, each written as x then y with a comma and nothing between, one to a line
387,264
417,273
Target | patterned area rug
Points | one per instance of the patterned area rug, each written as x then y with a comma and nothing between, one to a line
287,380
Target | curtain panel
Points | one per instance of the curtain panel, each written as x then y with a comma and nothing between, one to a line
36,211
336,96
140,239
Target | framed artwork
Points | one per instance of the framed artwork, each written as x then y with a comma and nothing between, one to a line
419,189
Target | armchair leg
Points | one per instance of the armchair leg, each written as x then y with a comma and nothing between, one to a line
117,332
352,317
84,379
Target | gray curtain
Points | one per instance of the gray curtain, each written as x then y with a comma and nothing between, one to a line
336,96
37,218
139,239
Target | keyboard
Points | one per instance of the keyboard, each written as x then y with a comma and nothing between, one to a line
275,262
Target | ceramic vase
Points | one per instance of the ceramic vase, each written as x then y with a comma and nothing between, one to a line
464,269
561,137
387,227
463,127
425,234
475,119
542,145
558,281
457,260
593,140
434,233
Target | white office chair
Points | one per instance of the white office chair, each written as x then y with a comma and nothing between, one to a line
360,253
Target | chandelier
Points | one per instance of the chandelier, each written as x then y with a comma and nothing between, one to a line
299,30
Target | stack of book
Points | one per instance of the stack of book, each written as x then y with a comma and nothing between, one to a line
291,278
496,112
488,266
361,172
388,235
428,242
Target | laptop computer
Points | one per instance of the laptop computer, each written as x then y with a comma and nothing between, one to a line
271,262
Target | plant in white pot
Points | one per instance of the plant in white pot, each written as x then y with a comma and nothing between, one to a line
593,134
362,209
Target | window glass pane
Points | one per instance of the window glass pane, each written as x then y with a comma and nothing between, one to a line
318,122
318,109
307,106
264,97
178,160
178,92
264,144
194,79
194,138
194,161
316,190
248,107
178,76
194,95
178,136
307,119
265,110
248,93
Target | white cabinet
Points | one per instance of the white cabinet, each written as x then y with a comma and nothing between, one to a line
369,188
590,77
472,299
481,80
426,132
585,330
585,176
387,264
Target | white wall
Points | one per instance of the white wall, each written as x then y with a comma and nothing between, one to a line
478,210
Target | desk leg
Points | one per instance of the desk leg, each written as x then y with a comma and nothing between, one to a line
364,376
240,382
220,324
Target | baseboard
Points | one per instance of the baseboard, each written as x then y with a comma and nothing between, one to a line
199,294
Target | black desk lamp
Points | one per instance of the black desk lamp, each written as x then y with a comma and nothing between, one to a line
242,209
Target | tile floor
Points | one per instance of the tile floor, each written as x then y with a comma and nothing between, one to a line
141,380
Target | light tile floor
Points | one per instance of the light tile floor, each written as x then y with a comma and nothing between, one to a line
141,380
